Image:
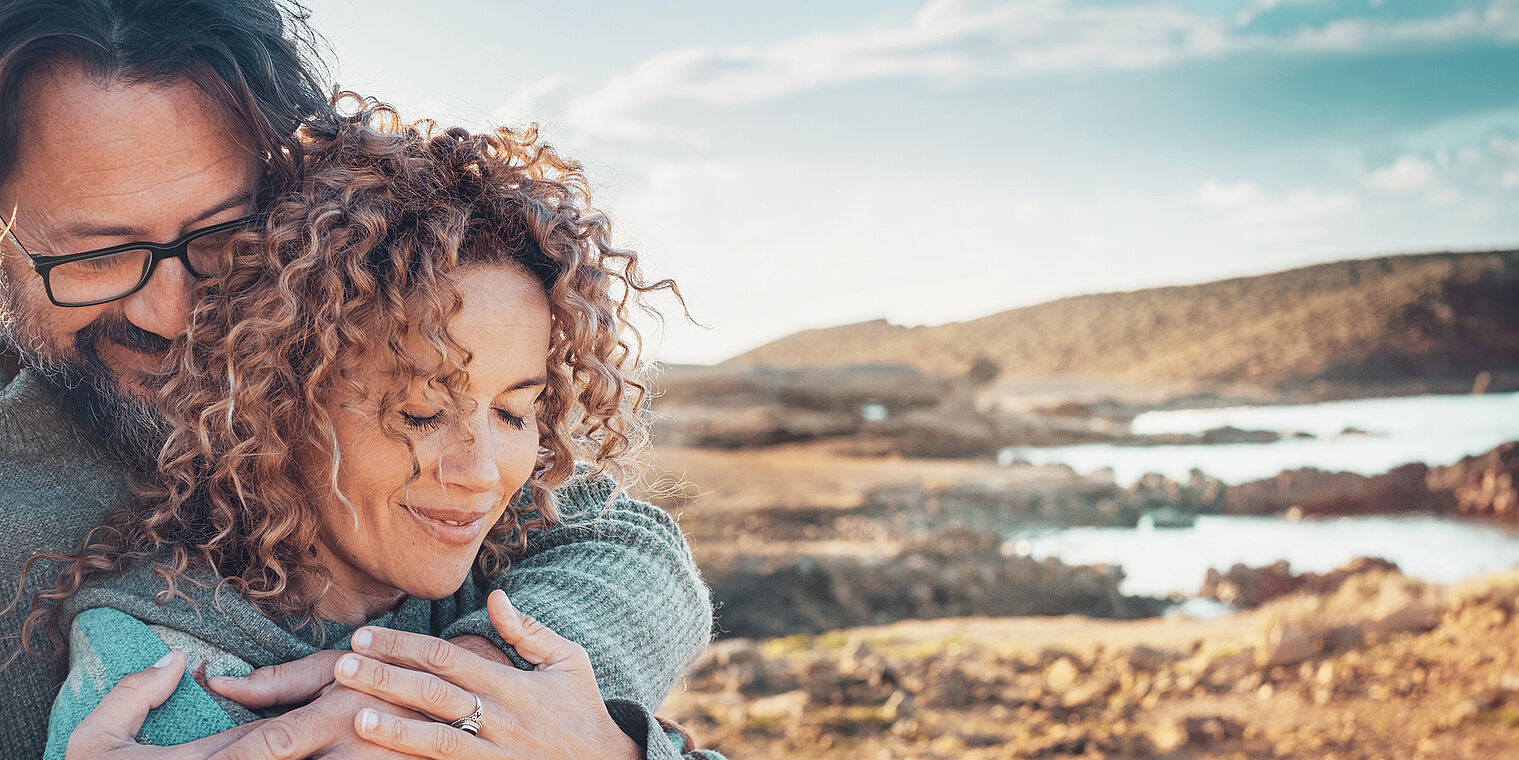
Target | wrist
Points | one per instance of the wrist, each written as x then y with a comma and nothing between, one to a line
617,744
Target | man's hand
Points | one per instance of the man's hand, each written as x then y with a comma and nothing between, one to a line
323,727
109,731
481,647
292,683
300,681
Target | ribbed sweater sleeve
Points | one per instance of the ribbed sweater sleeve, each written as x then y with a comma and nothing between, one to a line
618,579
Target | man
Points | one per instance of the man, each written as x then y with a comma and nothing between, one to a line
147,121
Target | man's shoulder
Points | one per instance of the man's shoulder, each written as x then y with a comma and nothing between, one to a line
55,485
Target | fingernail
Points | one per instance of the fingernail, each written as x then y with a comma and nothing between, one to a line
362,638
348,666
368,720
162,661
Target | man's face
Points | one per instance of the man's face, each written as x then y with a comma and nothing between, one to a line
101,163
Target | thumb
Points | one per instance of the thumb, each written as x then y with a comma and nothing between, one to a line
289,683
532,639
120,713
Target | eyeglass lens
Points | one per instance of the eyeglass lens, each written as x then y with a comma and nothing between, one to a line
113,276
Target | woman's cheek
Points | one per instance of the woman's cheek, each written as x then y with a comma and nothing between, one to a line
521,452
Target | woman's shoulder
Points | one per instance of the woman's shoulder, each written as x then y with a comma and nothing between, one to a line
106,644
141,591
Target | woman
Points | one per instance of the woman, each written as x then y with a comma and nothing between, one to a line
371,410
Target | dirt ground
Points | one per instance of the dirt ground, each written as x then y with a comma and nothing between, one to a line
1385,667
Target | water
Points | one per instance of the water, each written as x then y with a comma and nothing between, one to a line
1436,430
1161,561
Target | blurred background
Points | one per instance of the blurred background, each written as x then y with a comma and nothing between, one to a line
1075,378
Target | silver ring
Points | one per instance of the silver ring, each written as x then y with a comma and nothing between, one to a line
471,722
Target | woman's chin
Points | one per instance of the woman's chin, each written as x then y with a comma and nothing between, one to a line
438,584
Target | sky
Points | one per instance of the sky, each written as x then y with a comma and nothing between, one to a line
806,164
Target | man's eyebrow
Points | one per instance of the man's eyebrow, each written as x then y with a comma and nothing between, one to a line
86,229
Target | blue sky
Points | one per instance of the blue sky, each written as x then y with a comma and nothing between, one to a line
801,165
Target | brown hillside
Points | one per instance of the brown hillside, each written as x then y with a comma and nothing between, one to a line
1442,316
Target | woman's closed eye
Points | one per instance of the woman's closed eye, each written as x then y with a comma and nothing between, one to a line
511,419
422,421
429,422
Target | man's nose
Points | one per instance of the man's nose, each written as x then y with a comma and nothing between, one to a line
163,305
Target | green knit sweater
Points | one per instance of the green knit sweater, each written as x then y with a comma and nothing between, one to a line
619,581
117,626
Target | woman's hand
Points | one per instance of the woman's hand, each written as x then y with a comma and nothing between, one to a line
555,711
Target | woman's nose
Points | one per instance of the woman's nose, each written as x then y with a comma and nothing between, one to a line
469,463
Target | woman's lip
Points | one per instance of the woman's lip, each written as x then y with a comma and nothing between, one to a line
446,532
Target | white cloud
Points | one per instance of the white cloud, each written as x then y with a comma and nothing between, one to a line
526,103
1246,204
1408,174
1231,196
1444,196
1452,175
952,42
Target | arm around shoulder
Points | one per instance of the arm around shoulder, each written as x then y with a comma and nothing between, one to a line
618,579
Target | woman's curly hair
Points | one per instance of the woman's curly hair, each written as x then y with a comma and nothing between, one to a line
360,252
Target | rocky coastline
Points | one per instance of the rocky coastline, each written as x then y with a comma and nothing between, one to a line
854,529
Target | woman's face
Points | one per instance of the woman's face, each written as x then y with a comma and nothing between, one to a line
421,539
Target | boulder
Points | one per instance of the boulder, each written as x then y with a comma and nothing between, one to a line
1253,586
1483,485
1412,615
1288,644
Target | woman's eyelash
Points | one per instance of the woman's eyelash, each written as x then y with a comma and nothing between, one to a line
434,420
418,422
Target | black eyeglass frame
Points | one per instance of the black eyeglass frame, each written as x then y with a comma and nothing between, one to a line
178,249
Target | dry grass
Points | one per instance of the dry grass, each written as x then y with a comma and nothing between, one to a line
1443,316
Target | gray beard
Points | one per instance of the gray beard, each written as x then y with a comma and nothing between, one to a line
132,429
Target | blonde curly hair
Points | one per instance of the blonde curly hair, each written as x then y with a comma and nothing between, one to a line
360,251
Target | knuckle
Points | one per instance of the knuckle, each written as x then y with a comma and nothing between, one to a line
378,676
532,627
270,673
386,643
448,743
400,732
509,724
279,739
438,654
434,694
79,744
128,686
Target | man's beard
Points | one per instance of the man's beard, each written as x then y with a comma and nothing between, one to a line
131,426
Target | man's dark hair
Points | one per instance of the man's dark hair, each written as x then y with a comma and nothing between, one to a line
258,60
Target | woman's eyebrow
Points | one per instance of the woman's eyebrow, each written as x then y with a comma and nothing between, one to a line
522,385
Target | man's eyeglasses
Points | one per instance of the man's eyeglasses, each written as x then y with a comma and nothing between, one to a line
107,274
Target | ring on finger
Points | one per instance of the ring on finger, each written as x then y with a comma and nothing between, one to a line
471,722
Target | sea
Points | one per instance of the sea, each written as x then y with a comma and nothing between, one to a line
1367,436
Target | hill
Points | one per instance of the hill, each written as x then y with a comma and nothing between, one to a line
1428,318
